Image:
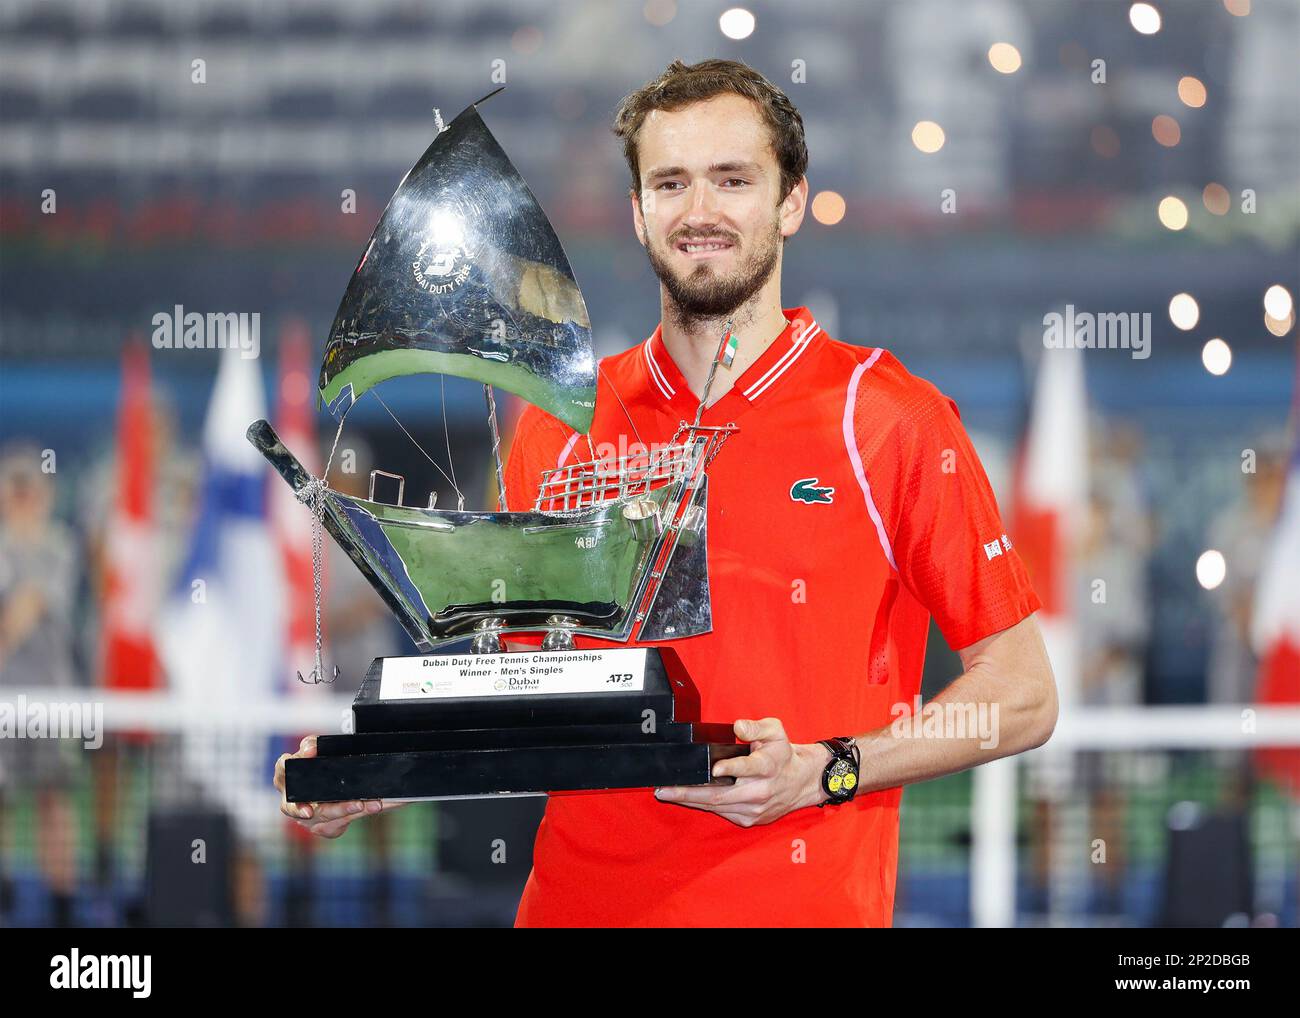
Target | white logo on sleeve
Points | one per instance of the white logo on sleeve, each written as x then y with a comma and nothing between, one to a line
995,548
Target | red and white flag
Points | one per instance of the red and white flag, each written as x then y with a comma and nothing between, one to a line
1275,624
291,520
1050,506
132,586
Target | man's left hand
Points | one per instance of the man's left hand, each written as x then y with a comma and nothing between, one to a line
776,778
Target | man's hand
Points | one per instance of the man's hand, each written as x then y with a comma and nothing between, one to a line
324,819
778,777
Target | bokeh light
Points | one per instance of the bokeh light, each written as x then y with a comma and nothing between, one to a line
1216,199
1172,212
660,12
736,23
828,207
1277,301
1165,130
1184,312
1279,327
927,136
526,40
1216,355
1004,57
1192,91
1144,18
1211,569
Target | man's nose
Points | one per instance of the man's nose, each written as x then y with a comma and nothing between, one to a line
703,209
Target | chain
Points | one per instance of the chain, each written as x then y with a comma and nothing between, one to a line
313,494
713,368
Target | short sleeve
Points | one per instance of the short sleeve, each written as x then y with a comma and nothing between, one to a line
938,515
539,439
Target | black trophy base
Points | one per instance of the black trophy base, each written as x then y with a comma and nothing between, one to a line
490,745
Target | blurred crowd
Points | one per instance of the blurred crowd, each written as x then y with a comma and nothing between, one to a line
53,584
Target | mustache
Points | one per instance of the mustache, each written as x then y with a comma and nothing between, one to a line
689,237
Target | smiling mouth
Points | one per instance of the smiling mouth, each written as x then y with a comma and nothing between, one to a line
703,248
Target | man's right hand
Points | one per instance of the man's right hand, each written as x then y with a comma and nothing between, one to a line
325,819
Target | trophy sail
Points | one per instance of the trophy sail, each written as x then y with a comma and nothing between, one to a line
465,276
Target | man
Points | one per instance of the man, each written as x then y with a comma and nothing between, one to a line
38,584
848,508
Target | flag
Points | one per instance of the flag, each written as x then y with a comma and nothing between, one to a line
1050,501
131,582
1275,620
291,520
727,349
221,631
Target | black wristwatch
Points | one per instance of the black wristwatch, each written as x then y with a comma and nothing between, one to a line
840,778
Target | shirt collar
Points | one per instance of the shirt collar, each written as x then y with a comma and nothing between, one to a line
666,385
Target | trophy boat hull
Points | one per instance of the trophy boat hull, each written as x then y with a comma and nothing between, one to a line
448,574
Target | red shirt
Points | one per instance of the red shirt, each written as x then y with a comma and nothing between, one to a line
848,509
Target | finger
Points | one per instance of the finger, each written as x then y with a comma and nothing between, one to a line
332,828
745,819
761,763
336,810
306,748
743,792
279,772
766,730
296,810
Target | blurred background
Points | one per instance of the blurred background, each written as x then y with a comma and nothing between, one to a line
976,167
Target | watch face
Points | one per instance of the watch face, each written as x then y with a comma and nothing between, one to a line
840,779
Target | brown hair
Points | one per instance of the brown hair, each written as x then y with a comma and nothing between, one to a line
683,84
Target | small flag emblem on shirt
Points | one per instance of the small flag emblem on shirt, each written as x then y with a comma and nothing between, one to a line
727,353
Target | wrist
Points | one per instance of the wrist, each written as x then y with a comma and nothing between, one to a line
819,758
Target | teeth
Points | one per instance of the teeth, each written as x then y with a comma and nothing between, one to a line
692,248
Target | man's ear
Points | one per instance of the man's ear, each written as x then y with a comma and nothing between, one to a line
794,207
638,217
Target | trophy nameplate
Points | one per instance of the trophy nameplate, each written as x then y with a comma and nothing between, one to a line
463,725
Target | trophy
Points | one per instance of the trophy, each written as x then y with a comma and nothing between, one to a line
464,275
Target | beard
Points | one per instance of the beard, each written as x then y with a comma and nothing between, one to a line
704,293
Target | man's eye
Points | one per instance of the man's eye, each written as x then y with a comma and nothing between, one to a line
735,180
668,183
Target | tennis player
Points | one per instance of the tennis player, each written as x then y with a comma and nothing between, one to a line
848,509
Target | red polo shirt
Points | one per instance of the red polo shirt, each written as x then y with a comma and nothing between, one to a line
848,509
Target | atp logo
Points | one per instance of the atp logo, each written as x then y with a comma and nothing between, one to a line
807,490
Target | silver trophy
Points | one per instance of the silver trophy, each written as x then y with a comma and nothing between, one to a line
464,275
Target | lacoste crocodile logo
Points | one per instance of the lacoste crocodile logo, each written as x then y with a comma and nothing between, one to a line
807,490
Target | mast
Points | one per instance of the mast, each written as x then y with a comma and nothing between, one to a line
496,447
